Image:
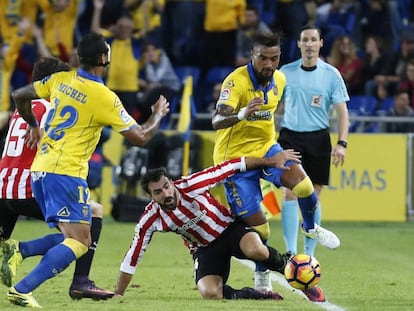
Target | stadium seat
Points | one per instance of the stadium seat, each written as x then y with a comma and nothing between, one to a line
337,24
217,74
268,13
258,4
361,105
385,105
185,71
213,76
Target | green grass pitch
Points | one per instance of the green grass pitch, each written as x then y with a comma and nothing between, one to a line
372,270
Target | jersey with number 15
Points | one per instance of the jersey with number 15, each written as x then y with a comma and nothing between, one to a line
17,156
80,106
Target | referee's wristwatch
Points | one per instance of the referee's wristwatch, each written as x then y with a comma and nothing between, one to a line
342,143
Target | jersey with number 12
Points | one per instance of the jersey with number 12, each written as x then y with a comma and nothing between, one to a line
81,105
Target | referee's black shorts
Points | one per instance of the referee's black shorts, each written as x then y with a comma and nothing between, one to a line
315,148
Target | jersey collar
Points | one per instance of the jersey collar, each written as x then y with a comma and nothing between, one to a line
89,76
256,84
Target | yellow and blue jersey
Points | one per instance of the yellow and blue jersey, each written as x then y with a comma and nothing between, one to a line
255,135
80,106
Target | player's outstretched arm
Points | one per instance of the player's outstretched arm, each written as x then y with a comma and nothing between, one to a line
141,134
123,281
278,160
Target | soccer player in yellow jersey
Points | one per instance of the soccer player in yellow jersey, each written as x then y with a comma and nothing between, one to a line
80,106
244,120
59,24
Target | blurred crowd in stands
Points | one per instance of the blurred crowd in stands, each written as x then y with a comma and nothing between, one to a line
156,43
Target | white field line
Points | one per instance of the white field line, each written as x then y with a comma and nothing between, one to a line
279,279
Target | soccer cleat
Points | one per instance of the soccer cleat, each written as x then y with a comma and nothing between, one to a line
11,259
24,300
315,294
271,295
285,258
322,236
87,289
262,281
251,293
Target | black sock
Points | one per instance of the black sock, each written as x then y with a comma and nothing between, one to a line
275,262
83,264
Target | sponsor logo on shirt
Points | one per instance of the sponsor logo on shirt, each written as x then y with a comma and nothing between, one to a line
124,115
225,94
192,222
260,115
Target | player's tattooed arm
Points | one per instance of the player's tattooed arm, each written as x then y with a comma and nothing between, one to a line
224,117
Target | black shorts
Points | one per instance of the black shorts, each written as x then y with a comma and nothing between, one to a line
215,258
315,148
10,210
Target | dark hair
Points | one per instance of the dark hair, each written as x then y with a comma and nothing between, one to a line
90,48
310,27
153,175
266,38
46,66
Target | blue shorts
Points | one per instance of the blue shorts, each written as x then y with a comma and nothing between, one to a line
243,191
62,198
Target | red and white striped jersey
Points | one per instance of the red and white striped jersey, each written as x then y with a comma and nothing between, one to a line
17,156
199,218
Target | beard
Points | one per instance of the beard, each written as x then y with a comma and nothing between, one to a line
265,76
169,203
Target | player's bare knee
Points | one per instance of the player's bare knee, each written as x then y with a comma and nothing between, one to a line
213,292
256,252
76,231
84,239
97,209
211,287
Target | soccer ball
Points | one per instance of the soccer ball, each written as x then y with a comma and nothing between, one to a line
303,271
